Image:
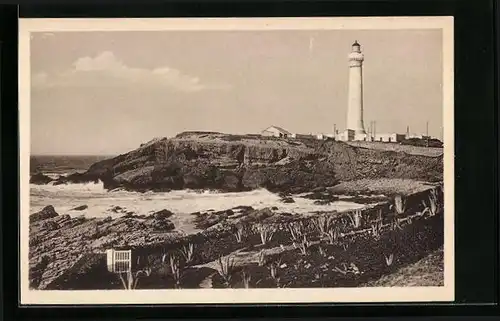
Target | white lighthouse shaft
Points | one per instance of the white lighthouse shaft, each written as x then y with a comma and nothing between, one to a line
355,103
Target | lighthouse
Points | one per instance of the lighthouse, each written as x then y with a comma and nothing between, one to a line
355,102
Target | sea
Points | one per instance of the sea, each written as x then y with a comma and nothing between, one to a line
100,203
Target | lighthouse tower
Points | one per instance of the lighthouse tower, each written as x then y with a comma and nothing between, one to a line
355,103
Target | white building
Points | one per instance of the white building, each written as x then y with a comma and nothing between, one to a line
351,135
419,136
275,131
388,137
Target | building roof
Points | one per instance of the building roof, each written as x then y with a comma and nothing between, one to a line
356,43
279,129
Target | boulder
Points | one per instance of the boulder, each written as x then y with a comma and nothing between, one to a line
287,200
40,179
162,215
162,225
80,208
45,213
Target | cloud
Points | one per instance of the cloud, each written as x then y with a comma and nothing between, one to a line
107,70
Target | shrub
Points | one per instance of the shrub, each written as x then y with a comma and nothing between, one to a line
399,204
239,233
262,258
333,235
304,245
226,269
355,218
395,223
187,252
296,231
389,259
376,229
323,224
246,279
274,271
132,279
434,207
175,268
266,233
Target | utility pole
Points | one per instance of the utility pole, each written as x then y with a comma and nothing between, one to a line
427,132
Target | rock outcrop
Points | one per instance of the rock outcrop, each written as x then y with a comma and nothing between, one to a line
239,163
58,244
40,179
45,213
58,241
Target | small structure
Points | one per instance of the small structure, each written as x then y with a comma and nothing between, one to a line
389,138
418,136
275,131
347,135
119,261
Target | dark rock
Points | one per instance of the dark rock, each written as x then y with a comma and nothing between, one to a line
45,213
322,202
40,179
49,225
321,196
257,215
287,200
162,225
61,219
210,218
117,209
163,214
80,208
242,208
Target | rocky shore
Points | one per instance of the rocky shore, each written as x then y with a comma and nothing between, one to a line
69,252
59,242
320,170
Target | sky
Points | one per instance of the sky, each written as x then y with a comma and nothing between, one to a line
105,93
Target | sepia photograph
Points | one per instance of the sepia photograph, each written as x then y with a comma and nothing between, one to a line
236,160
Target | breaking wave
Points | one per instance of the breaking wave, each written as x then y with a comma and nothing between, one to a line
100,202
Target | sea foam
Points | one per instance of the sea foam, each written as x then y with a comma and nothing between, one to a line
66,197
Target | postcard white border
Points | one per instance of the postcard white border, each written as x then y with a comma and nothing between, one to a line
268,296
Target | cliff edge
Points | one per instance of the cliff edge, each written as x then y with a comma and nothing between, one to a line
198,160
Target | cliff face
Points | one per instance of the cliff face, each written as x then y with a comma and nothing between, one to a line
235,163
